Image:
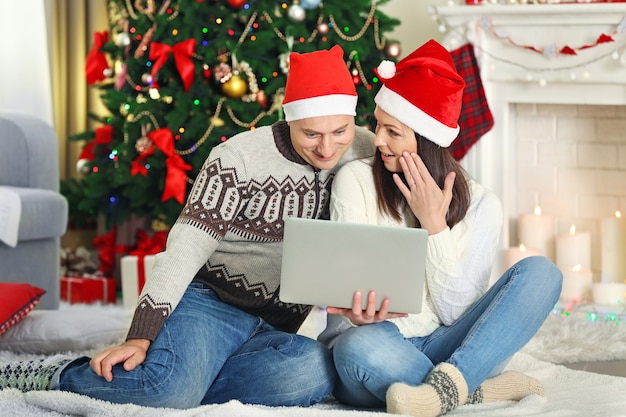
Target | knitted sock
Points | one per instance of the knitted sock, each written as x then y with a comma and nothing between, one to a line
443,390
31,375
509,385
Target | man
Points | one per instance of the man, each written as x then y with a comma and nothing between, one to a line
209,326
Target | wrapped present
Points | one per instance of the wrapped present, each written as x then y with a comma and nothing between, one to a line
88,289
136,269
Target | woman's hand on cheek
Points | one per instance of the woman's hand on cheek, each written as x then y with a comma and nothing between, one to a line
427,201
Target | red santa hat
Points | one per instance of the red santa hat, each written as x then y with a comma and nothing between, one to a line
319,84
423,91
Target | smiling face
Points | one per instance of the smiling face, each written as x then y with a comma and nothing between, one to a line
392,138
322,141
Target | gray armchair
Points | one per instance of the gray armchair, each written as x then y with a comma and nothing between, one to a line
29,164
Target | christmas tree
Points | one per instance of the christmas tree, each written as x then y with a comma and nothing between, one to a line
179,77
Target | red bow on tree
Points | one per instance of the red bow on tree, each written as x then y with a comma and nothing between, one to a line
183,51
103,136
96,62
176,177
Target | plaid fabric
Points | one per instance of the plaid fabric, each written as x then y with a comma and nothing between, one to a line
476,118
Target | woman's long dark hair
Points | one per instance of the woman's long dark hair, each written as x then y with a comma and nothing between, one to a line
439,163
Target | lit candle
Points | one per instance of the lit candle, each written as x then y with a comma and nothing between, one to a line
536,231
516,254
576,283
612,293
614,249
573,249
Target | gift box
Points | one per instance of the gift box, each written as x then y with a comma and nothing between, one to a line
135,271
88,289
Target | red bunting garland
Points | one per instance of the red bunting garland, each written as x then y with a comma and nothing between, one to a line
551,50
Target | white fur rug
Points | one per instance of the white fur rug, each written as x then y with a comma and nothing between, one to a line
569,393
562,339
589,334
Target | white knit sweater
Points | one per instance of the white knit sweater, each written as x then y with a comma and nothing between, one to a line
459,260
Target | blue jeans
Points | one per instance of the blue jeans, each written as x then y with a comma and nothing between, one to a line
210,352
479,344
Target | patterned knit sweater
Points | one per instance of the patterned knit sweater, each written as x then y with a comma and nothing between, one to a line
229,233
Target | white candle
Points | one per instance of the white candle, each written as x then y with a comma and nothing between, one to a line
614,249
516,254
536,231
576,283
609,294
573,248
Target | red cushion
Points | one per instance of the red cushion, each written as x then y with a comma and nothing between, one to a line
16,301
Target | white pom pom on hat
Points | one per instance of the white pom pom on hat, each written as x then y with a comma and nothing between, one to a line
425,93
319,84
386,69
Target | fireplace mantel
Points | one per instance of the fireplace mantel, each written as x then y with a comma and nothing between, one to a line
504,47
511,72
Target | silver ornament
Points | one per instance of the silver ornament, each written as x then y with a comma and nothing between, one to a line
296,13
82,166
393,49
122,39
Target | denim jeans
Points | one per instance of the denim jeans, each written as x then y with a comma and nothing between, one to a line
210,352
479,344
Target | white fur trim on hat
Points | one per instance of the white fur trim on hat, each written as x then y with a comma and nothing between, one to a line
407,113
328,105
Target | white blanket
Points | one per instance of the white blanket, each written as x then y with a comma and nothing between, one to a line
568,393
10,213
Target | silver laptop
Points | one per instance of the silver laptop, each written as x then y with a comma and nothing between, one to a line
325,262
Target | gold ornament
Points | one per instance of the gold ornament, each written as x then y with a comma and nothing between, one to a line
235,87
216,121
159,225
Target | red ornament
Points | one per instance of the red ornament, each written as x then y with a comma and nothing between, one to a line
261,98
356,80
236,4
206,71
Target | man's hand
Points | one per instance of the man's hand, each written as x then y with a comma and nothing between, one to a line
358,316
132,353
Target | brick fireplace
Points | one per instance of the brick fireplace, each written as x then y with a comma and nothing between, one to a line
559,139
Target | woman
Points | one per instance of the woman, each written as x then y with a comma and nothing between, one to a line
429,363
